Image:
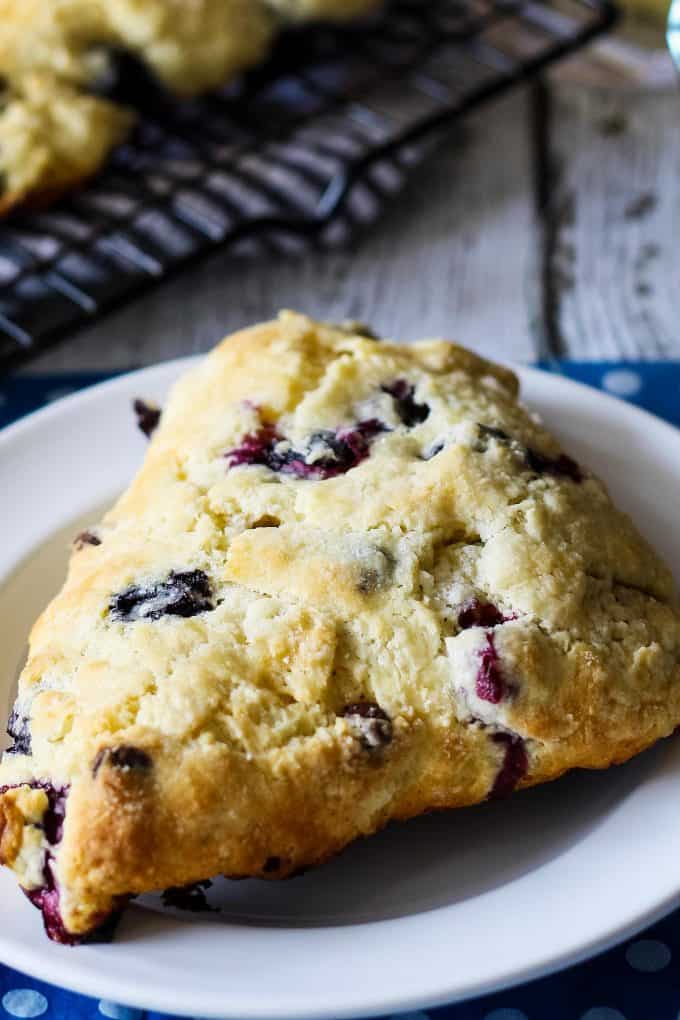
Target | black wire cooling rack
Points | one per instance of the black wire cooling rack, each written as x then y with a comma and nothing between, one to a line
303,151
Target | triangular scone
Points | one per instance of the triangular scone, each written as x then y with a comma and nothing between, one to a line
352,582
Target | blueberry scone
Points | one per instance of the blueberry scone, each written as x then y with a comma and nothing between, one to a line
53,136
352,582
54,53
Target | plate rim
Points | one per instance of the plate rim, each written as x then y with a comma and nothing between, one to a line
89,981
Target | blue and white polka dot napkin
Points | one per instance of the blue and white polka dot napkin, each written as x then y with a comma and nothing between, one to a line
639,980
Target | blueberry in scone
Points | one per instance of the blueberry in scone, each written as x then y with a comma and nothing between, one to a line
352,582
323,454
184,593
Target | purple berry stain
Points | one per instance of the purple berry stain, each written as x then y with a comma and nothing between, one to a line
325,454
475,613
255,447
46,897
490,685
53,819
514,768
410,412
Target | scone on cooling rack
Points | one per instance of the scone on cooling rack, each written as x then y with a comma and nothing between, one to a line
52,137
352,582
53,134
189,46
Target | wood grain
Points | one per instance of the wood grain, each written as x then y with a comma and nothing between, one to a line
615,212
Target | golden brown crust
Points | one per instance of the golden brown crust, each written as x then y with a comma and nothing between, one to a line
395,594
53,138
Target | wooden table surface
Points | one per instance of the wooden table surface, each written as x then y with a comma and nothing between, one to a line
547,226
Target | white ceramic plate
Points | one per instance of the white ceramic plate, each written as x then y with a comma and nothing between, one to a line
426,913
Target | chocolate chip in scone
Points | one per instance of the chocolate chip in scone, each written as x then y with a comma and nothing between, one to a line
18,728
515,765
271,865
86,538
184,593
371,722
189,897
148,416
410,412
561,466
123,757
475,613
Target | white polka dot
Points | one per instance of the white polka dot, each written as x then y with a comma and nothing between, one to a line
648,955
622,382
506,1014
602,1013
24,1002
116,1012
61,391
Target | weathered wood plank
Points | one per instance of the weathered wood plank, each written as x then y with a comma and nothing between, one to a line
615,217
453,256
